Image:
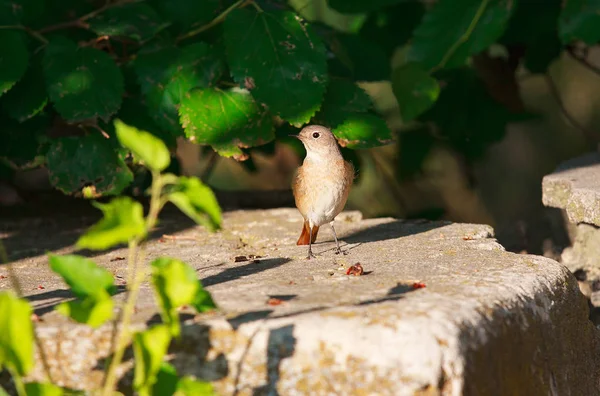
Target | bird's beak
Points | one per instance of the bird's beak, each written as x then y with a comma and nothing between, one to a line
296,136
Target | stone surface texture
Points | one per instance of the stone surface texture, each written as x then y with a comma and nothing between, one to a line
488,322
575,187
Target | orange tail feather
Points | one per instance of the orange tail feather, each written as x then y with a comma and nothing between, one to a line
305,235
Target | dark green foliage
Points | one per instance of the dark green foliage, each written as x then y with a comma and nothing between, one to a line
239,75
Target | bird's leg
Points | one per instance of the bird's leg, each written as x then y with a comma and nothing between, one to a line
310,253
337,244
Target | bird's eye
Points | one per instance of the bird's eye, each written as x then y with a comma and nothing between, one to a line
316,135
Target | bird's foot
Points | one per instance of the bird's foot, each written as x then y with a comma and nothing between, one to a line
310,255
340,251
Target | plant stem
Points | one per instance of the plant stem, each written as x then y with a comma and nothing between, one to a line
33,33
16,285
218,19
122,339
18,383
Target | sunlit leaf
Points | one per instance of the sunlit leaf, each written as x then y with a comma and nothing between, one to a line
166,380
16,334
197,201
175,284
123,221
189,386
93,312
145,146
149,348
363,130
43,389
84,276
227,120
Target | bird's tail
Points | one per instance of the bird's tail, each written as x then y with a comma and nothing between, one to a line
305,235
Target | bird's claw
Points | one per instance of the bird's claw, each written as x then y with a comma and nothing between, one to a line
342,252
310,255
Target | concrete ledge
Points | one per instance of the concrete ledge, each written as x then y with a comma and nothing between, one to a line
488,322
575,187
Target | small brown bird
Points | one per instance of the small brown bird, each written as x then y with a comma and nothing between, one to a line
322,183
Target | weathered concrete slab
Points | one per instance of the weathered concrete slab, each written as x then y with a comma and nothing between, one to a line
488,322
575,187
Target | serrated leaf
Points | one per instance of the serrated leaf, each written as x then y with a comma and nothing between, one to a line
197,201
28,97
189,386
455,29
175,284
15,12
82,82
138,21
415,90
168,74
93,312
149,349
43,389
145,146
277,57
16,334
362,130
13,58
580,20
79,161
226,120
360,6
342,98
122,221
84,276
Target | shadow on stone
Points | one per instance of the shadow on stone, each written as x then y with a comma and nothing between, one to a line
390,230
58,296
245,270
248,317
281,344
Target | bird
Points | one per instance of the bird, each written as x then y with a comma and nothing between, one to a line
321,184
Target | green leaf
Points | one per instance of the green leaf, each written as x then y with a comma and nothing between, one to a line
227,120
13,58
28,97
145,146
203,301
84,276
580,20
122,222
149,348
138,21
360,6
358,58
168,74
134,112
93,312
166,380
79,161
175,284
276,56
342,98
43,389
189,386
82,82
415,90
363,130
16,334
197,201
455,29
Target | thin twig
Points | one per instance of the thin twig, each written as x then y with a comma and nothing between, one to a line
589,134
218,19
